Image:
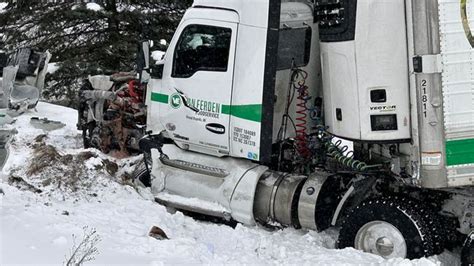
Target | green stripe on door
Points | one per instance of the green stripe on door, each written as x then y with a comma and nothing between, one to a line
251,112
158,97
460,152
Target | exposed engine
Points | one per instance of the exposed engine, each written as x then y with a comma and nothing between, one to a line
112,113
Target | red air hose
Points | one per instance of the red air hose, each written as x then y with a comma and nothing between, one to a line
302,115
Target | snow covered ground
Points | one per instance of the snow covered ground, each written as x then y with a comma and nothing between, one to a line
53,189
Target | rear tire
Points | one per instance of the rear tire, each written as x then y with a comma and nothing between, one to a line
390,227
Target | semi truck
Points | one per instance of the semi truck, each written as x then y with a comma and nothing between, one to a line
318,114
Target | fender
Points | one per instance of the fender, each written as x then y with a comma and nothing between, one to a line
357,192
337,194
321,195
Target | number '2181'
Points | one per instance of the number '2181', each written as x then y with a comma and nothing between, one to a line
424,97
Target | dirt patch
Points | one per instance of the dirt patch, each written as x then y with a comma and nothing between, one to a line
86,155
62,174
41,138
20,183
110,167
44,156
49,170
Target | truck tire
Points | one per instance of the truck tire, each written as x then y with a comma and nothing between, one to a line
391,227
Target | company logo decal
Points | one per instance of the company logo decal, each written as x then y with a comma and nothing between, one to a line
465,23
176,101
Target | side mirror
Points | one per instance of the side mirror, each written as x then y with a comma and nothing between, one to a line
143,62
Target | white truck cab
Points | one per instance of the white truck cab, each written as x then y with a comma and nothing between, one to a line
219,74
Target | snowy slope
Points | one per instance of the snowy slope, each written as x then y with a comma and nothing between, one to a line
36,227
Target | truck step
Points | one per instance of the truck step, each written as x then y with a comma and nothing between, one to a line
195,167
194,206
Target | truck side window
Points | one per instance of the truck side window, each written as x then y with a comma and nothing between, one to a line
201,48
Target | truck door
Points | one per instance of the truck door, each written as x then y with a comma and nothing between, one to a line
197,85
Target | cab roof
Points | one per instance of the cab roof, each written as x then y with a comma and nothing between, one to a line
251,12
255,12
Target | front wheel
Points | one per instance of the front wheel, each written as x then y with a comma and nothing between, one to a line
390,227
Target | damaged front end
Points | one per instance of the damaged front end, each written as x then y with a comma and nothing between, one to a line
112,113
112,109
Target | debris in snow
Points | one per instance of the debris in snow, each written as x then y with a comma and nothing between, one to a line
65,213
21,184
1,191
157,233
46,124
53,171
44,156
41,138
110,167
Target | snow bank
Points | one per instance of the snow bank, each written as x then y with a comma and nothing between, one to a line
36,226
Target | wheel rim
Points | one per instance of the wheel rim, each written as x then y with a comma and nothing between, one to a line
381,238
